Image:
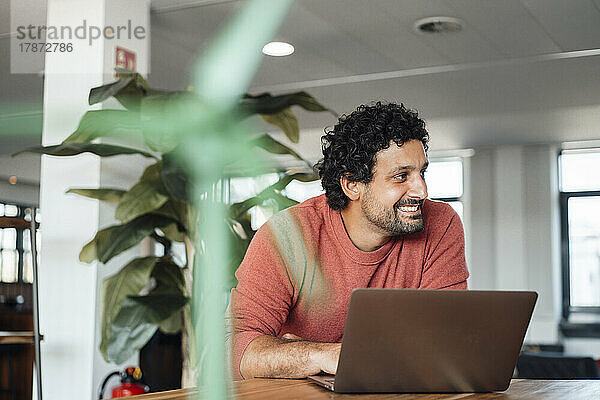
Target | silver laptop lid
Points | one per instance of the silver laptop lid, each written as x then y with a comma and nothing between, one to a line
411,341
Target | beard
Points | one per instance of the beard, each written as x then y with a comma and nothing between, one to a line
391,220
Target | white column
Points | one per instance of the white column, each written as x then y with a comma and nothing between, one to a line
69,308
542,239
516,232
508,211
482,267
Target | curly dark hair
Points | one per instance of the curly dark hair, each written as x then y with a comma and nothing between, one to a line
350,147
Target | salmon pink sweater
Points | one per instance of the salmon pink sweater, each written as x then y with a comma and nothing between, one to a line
301,267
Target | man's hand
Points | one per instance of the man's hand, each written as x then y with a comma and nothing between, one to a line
288,357
327,359
292,337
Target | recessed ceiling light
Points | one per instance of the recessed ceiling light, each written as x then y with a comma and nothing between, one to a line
438,25
278,49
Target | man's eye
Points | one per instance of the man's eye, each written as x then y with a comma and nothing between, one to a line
400,177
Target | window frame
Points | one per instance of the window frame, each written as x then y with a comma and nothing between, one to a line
568,327
567,308
19,245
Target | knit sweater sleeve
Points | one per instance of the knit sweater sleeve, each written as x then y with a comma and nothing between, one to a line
262,299
445,266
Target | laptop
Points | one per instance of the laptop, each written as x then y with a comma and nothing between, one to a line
430,341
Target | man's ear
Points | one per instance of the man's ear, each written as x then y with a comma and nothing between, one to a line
350,187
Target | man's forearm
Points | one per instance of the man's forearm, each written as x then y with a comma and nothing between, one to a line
273,357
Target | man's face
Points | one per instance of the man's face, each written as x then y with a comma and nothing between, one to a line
393,200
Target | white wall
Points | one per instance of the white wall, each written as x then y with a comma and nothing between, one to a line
515,238
26,167
482,263
514,227
69,290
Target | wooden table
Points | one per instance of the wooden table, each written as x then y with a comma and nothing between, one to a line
271,389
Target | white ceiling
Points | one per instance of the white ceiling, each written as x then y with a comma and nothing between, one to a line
520,71
346,37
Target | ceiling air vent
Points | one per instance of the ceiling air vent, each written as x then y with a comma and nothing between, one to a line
438,25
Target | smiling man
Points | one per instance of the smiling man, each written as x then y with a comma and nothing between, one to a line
373,227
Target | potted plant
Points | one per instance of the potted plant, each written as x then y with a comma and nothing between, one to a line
158,205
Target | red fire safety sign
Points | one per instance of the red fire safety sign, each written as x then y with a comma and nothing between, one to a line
125,58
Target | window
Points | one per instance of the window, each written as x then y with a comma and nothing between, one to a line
9,256
244,188
580,232
301,191
445,182
15,244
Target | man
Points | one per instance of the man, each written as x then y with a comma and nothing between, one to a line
373,227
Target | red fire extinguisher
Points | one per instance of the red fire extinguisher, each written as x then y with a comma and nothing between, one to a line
131,383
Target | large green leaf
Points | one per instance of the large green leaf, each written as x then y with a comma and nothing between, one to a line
175,178
265,103
151,195
145,196
303,176
113,240
238,247
137,321
174,233
173,324
286,120
272,192
129,281
152,173
238,209
282,201
176,210
271,145
72,149
101,93
128,90
139,316
102,123
298,176
159,306
142,198
128,332
161,128
169,277
104,194
88,252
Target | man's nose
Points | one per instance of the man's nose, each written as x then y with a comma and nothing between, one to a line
418,188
